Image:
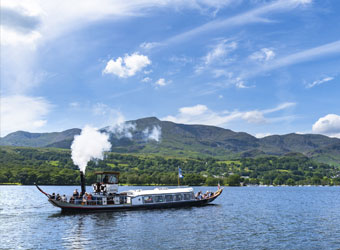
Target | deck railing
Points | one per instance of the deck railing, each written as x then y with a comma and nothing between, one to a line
93,201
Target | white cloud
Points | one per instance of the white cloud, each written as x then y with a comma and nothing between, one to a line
261,135
20,23
27,24
33,22
146,72
23,113
217,56
154,134
201,114
74,104
230,79
10,37
127,66
281,106
146,79
239,83
303,1
318,82
113,120
41,21
181,60
219,51
264,55
252,16
194,110
328,125
299,57
18,71
329,48
254,116
29,13
123,129
148,46
222,72
162,82
107,115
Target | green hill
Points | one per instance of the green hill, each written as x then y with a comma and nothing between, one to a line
26,139
183,140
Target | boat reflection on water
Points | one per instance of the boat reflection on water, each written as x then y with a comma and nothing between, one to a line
76,239
105,197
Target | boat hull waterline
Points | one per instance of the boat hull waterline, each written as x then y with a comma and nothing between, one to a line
70,207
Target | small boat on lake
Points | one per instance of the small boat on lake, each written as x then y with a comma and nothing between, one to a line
105,197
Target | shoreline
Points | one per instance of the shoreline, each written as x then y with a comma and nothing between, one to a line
155,185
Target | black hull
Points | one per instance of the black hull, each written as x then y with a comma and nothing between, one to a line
131,208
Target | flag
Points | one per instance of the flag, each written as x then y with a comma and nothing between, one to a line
180,173
218,185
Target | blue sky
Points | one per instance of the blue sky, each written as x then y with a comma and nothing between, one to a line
262,67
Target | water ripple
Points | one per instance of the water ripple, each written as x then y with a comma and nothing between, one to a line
243,218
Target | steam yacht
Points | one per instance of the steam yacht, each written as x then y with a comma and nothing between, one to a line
105,196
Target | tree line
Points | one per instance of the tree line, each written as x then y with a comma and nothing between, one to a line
49,166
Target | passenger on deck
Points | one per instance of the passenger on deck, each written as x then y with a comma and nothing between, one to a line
75,193
58,198
72,199
85,198
52,196
63,198
199,195
89,199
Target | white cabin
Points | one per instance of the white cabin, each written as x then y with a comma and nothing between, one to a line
160,195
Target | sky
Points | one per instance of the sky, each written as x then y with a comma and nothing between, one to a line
259,66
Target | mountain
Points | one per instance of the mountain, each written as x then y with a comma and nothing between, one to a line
329,154
138,136
26,139
186,140
295,142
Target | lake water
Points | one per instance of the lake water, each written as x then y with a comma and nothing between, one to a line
242,218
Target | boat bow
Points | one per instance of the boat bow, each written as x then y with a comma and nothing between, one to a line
48,195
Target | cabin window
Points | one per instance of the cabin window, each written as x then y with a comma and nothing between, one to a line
113,179
159,198
148,199
187,197
107,178
168,197
178,197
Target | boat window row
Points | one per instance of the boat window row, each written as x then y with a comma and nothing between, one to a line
168,198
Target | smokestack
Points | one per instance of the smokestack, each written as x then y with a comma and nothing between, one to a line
82,182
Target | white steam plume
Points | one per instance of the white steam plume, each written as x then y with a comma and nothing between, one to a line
154,134
89,145
121,130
